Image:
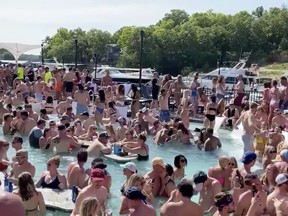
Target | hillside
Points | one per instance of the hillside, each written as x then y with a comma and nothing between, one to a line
274,70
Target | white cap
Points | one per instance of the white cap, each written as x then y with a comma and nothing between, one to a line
281,179
145,109
69,98
130,166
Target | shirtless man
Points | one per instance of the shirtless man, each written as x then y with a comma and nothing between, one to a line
164,113
18,99
155,175
95,189
68,79
22,165
7,124
208,188
27,124
106,80
69,113
163,136
32,114
249,123
283,163
136,202
148,116
17,142
82,98
76,172
240,94
280,192
224,203
100,146
58,85
87,120
11,204
180,201
254,186
283,103
22,88
63,142
38,89
63,105
3,110
212,142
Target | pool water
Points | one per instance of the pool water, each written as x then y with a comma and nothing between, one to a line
197,160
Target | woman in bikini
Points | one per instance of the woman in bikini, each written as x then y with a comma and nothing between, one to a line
186,107
32,199
90,135
274,102
49,105
178,86
210,113
220,88
219,172
183,134
168,185
261,139
45,140
180,162
52,178
100,103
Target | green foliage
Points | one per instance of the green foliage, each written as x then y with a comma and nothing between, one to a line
180,42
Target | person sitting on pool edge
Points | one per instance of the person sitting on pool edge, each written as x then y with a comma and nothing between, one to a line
95,189
180,201
140,147
100,146
36,133
136,201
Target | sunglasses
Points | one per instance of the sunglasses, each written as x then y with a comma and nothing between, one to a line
183,161
5,145
68,131
273,152
49,164
231,164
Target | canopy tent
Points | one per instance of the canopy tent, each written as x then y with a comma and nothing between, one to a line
17,49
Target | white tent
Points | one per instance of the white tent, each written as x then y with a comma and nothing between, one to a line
17,49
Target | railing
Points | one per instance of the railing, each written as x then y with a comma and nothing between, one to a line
253,96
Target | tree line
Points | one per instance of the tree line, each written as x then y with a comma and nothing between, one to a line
179,42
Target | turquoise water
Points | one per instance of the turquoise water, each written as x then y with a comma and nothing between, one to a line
197,160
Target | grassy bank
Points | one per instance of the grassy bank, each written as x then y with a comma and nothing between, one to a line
275,70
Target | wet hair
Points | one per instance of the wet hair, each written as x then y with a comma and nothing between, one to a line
26,186
177,160
169,169
87,206
46,130
210,130
49,100
43,111
182,127
18,139
82,155
24,113
186,189
222,199
61,127
102,95
40,122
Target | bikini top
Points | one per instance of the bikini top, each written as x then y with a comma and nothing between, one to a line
52,185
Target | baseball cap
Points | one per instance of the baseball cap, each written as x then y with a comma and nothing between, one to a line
134,193
284,154
248,157
281,179
121,119
200,177
97,174
158,161
103,135
98,163
130,166
22,153
69,98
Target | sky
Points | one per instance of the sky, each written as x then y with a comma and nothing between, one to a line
31,21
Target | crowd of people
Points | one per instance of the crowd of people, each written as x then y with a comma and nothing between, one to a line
94,127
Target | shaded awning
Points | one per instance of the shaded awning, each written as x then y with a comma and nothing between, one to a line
17,49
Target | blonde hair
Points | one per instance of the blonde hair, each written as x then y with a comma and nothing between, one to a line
136,177
88,206
55,160
223,161
186,93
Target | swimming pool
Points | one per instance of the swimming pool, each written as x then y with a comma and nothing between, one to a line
197,160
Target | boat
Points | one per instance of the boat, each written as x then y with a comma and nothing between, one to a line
250,76
119,76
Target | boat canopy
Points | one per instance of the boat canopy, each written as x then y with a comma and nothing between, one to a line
17,49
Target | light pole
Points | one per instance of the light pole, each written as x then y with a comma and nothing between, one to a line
76,52
42,54
141,57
